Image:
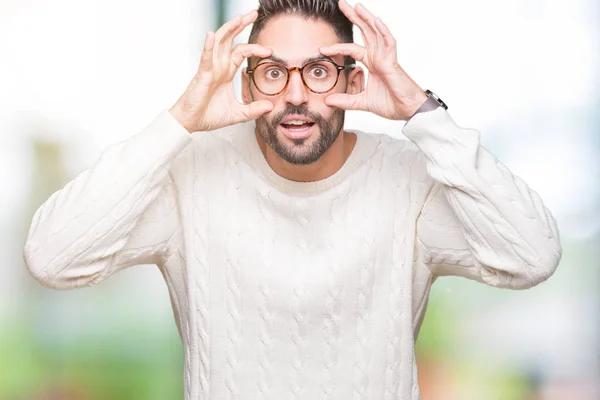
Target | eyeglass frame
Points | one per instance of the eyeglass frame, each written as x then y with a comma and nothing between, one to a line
339,68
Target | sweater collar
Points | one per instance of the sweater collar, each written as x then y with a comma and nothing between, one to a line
363,149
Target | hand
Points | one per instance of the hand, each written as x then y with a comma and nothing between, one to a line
209,101
390,92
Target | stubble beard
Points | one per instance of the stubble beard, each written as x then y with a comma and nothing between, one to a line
329,130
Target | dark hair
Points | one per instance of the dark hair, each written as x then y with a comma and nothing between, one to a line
325,10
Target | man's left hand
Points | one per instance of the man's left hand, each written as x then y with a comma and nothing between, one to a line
390,92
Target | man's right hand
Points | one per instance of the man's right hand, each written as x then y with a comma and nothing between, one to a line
209,101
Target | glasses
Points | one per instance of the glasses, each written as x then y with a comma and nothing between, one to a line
271,78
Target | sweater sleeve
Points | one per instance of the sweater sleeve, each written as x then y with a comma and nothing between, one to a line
120,212
479,220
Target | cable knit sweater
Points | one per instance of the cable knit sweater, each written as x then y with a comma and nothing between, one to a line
297,290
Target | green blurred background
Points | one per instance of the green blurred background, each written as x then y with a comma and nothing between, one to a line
77,76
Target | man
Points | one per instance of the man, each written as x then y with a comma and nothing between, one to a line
298,255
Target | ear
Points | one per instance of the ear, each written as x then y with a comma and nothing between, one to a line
246,95
356,80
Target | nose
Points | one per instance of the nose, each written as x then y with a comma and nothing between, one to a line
296,93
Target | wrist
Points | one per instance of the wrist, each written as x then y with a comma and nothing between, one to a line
415,103
178,114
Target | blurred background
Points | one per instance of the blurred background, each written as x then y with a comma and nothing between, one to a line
79,75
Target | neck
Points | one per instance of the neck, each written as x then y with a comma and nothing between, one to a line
331,161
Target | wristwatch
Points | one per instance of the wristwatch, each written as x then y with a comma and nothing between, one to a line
432,102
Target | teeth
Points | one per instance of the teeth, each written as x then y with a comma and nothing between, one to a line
296,122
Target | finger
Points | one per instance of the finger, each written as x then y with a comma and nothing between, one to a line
369,18
227,27
243,50
366,31
353,50
346,101
254,110
246,20
206,60
388,38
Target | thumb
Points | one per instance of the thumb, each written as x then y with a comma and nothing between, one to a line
345,101
255,110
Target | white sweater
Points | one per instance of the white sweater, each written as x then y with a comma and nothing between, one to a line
297,290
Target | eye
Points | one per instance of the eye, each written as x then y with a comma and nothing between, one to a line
318,71
274,73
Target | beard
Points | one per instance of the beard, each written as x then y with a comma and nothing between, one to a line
329,130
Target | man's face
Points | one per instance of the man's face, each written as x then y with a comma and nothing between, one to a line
294,40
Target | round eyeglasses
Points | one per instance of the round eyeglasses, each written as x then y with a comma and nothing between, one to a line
271,78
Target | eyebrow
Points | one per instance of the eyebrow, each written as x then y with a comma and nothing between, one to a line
306,61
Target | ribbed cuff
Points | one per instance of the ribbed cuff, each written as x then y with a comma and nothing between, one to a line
168,134
438,122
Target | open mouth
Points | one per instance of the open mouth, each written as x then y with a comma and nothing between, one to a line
297,129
